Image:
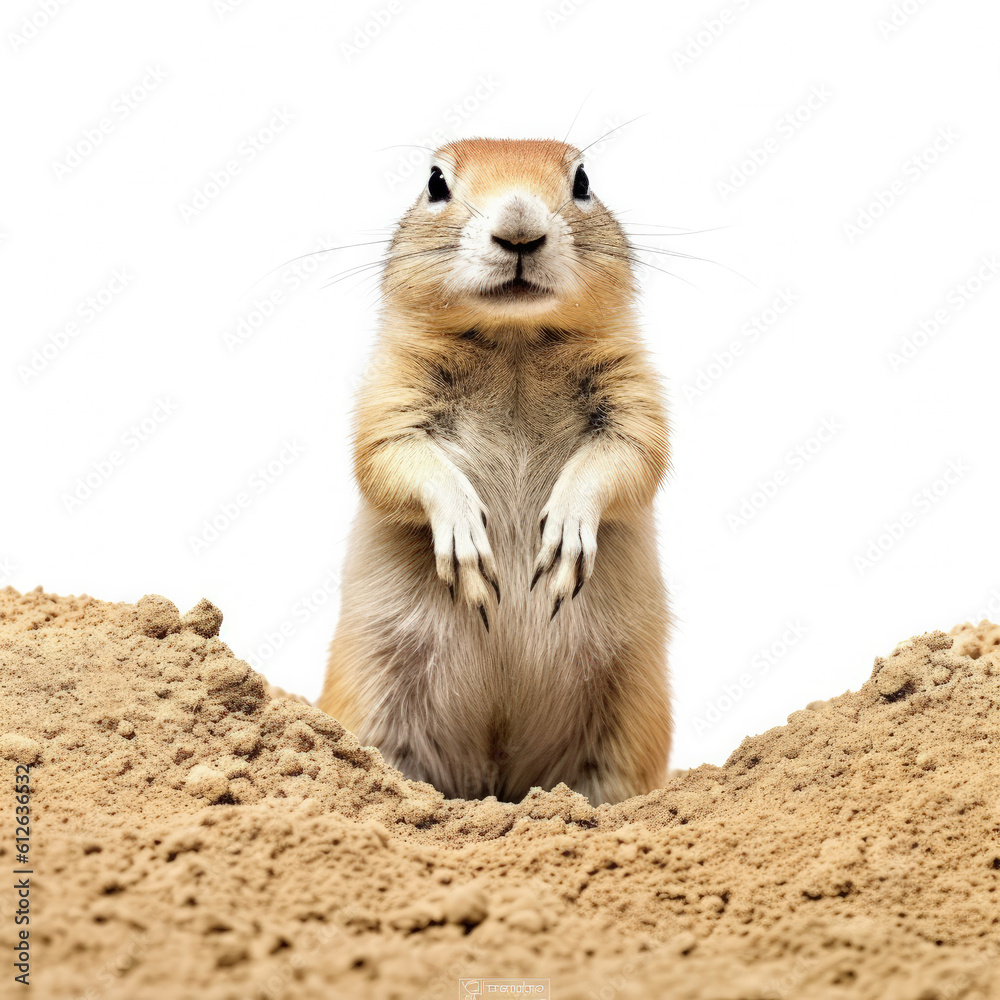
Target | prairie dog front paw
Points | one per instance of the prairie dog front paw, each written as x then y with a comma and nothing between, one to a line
465,561
568,528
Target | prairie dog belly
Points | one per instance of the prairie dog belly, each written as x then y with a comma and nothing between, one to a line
480,713
524,699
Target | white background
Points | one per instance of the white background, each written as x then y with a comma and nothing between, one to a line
768,200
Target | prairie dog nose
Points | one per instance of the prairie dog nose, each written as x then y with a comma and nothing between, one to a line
520,224
520,245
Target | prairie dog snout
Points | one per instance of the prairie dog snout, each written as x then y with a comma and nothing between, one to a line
515,230
503,621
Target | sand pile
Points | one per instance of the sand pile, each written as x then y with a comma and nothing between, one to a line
194,836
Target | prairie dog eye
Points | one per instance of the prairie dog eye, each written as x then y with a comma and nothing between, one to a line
437,186
581,184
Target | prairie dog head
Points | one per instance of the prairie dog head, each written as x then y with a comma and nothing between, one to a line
508,233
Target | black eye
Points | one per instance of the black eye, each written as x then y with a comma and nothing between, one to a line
581,183
437,186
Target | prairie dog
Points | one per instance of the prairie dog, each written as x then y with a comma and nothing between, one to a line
503,620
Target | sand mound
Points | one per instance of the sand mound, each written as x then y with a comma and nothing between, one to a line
194,836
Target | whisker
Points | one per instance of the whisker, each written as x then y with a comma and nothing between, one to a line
407,276
361,268
577,115
611,132
552,215
680,232
358,268
313,253
689,256
632,259
405,145
598,225
390,288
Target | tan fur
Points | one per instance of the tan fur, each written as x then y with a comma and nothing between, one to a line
511,412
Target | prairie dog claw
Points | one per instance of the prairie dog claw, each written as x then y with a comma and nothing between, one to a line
462,552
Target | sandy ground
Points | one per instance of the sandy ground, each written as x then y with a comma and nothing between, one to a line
194,836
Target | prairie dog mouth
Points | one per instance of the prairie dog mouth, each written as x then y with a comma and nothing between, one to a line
516,288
